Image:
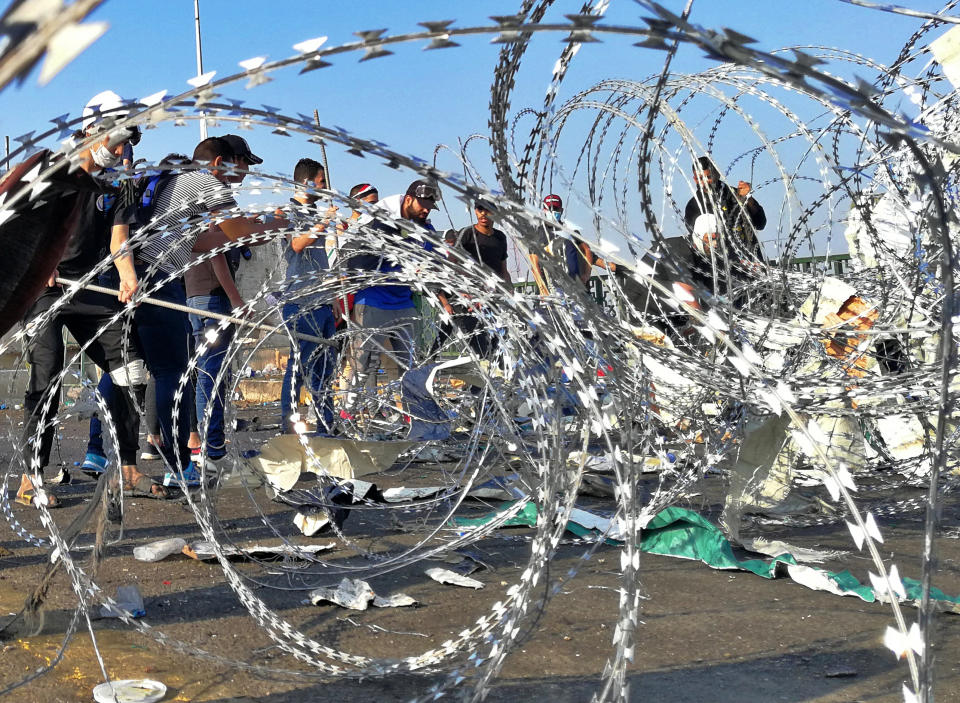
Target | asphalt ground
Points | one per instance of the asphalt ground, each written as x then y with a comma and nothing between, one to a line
705,635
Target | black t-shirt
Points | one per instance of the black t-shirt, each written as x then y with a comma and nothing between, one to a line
487,249
91,237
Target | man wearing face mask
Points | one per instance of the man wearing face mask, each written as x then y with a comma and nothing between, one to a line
573,253
211,286
87,314
163,238
303,311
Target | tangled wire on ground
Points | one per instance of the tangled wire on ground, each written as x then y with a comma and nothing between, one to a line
778,375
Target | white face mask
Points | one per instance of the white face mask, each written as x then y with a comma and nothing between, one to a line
104,158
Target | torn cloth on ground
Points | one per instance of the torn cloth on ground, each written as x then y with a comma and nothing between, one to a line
677,532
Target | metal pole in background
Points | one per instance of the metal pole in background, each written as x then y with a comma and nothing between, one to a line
323,151
196,24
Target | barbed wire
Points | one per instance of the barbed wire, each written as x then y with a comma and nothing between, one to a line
699,347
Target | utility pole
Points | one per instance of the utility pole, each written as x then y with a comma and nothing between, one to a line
196,24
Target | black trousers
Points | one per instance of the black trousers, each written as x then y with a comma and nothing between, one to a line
481,341
83,316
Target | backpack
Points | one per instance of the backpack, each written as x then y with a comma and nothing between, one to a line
139,198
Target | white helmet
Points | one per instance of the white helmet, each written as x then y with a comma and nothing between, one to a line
106,102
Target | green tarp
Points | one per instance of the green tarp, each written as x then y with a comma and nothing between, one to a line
682,533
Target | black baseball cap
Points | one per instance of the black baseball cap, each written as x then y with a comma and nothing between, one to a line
241,148
485,205
425,193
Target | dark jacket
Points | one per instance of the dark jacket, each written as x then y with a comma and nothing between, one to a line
741,218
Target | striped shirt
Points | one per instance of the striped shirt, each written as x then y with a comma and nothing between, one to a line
180,214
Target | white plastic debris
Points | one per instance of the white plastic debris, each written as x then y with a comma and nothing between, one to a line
351,593
446,576
397,600
161,549
128,599
402,494
358,595
204,551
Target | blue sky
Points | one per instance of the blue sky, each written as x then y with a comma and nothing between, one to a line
412,100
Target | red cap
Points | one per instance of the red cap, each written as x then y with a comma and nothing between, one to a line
553,202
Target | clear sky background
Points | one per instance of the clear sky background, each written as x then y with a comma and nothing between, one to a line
415,99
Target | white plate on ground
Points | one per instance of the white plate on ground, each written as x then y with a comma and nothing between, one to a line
130,691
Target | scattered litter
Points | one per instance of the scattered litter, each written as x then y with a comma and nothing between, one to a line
466,562
283,459
333,501
447,576
599,486
311,523
377,628
498,488
840,674
358,595
526,517
129,599
130,691
397,600
402,494
351,593
592,521
161,549
204,551
604,463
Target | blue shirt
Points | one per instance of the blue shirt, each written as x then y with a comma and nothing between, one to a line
386,296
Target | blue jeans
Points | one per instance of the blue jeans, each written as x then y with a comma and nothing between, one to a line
317,362
209,364
163,336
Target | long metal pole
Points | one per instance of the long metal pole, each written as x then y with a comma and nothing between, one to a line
323,151
197,311
196,24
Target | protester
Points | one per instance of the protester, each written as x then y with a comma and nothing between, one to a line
385,312
708,261
306,312
738,214
486,245
87,316
169,230
210,286
95,460
571,252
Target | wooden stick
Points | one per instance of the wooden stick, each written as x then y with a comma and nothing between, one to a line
196,311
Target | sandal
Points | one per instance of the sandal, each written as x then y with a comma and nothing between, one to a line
28,497
143,487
